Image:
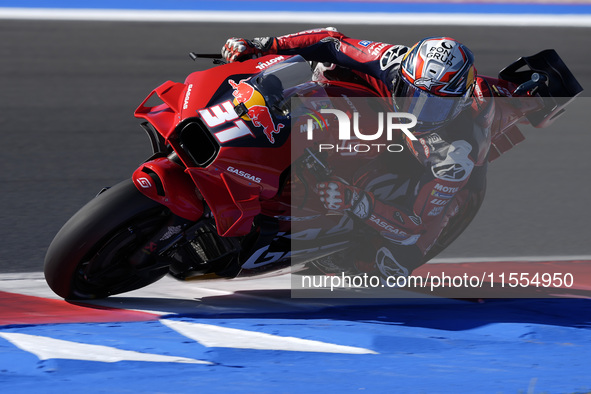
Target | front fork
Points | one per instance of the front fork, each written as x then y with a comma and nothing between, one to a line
164,181
188,242
151,254
189,250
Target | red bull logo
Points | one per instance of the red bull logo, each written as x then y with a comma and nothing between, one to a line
242,90
258,113
261,117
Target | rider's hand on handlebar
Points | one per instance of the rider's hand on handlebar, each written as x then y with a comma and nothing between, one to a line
340,197
337,196
240,49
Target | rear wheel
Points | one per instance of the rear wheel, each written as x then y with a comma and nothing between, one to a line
90,257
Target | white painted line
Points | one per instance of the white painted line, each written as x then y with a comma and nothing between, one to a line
534,259
22,276
46,348
320,18
216,336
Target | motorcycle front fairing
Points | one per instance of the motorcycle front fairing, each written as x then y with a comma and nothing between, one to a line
235,160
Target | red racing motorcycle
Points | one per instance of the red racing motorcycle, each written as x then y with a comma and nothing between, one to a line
228,181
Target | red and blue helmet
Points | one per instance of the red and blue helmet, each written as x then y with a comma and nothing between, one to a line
435,81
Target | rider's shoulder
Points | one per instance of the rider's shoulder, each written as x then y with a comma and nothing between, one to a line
482,102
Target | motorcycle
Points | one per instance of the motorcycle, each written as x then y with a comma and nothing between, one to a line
225,188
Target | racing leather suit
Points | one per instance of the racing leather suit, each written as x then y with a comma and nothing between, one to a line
421,209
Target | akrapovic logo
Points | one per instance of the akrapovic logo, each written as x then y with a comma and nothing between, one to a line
354,140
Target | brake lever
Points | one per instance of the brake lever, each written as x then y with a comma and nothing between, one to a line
217,58
532,86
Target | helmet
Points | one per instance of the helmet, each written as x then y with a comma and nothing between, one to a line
435,81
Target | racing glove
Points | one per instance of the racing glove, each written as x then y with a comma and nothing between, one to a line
340,197
238,49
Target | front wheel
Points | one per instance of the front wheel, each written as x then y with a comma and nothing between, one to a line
90,255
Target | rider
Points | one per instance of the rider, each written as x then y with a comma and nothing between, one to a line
420,210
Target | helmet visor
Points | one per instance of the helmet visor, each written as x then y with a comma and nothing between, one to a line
431,111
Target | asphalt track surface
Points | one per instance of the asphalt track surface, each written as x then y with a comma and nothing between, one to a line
69,90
